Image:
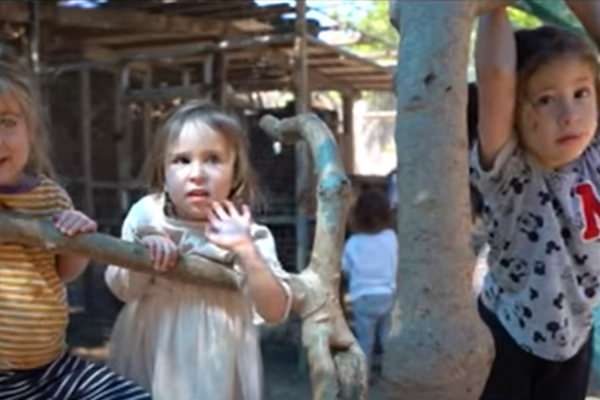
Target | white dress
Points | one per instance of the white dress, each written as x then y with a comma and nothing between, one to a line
184,342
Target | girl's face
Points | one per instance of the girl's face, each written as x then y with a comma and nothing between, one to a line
559,115
199,169
14,141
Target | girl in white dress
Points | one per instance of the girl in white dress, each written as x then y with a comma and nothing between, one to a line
180,341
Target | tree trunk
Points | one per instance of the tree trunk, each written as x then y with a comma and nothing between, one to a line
337,365
443,350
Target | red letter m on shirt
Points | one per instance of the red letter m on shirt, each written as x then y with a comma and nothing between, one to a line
590,207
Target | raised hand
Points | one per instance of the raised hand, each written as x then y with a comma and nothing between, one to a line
229,227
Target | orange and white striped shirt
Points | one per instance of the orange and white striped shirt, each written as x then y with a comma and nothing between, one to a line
33,305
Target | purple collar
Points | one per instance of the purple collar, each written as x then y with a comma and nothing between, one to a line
27,183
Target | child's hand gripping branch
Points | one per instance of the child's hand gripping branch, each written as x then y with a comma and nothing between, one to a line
72,223
162,250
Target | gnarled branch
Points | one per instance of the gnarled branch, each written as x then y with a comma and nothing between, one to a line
337,365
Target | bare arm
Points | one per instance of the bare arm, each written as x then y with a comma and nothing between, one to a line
268,294
69,267
588,13
496,81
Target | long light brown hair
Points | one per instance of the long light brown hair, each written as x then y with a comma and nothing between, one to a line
226,124
18,82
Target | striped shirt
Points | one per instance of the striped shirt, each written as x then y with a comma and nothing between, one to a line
33,306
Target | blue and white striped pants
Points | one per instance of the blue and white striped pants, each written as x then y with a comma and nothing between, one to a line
69,378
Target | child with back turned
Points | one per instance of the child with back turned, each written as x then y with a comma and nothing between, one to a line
537,165
34,361
370,261
182,341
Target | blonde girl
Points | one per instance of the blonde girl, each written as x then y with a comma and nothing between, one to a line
181,341
34,361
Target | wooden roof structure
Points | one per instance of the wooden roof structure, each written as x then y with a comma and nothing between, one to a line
183,35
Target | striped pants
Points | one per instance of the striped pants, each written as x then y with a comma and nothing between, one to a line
69,378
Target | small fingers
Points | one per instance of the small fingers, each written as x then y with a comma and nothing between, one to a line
171,257
72,223
163,253
246,213
219,211
231,209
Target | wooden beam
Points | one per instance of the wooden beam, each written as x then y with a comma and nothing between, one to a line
158,94
353,69
133,38
16,11
345,54
147,114
204,7
347,138
366,78
265,12
206,48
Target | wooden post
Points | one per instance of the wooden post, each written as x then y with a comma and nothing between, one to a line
208,75
124,133
348,135
34,35
186,77
302,157
87,283
147,114
86,132
219,88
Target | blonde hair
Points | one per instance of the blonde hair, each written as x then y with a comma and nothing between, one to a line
224,123
18,82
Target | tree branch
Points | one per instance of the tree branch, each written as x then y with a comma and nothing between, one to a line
337,365
41,232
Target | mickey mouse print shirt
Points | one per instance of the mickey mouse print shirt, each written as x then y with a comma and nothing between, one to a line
543,229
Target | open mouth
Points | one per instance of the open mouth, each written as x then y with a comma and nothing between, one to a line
3,160
567,139
198,194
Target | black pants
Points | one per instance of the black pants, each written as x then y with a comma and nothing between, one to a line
518,375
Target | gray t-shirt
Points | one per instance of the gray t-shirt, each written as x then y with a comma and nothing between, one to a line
544,258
